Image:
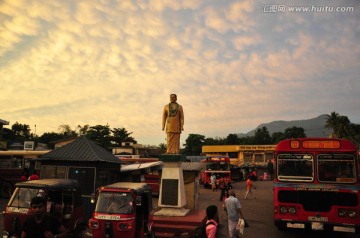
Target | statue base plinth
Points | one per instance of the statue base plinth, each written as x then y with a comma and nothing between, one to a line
172,212
172,157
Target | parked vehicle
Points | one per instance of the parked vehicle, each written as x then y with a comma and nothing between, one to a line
317,185
122,210
63,201
14,164
218,166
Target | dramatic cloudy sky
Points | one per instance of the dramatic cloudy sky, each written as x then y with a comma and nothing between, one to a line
233,64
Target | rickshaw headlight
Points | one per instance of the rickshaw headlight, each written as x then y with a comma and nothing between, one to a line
342,213
124,226
352,213
292,210
283,209
94,224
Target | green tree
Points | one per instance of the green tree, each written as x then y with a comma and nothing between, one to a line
294,132
8,134
82,130
332,122
162,146
232,139
262,136
119,135
50,138
339,124
354,131
248,140
21,131
276,137
67,131
211,141
100,134
193,144
343,126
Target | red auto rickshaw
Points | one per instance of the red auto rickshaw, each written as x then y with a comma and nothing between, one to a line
63,200
122,210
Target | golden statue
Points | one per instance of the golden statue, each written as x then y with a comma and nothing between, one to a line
173,117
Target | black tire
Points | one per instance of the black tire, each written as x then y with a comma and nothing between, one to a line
79,231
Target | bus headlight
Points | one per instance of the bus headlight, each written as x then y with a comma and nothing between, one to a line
342,213
292,210
283,210
352,213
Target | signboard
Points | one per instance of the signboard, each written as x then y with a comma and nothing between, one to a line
29,145
169,193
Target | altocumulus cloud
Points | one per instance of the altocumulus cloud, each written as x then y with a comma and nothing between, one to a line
232,64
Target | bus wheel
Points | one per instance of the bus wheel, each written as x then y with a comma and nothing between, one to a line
5,190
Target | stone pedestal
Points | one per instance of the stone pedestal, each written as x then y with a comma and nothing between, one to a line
172,197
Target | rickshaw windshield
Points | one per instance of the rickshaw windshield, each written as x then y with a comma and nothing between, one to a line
22,196
112,202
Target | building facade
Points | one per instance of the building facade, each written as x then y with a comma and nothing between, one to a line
242,154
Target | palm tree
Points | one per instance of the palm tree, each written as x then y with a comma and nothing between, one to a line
343,126
338,123
332,122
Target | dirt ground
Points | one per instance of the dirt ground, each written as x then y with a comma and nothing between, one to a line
208,197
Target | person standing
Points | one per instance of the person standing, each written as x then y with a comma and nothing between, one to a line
41,224
213,182
249,187
223,189
270,169
233,208
212,221
173,124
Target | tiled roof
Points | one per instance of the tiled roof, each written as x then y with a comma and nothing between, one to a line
192,166
82,149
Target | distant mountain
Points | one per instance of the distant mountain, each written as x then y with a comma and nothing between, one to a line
314,127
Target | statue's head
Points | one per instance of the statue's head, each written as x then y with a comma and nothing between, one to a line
173,97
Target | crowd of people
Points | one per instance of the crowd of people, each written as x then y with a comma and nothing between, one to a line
231,204
25,176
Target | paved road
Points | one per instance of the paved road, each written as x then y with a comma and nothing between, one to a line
258,213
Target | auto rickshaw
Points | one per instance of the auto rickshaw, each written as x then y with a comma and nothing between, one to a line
122,210
63,201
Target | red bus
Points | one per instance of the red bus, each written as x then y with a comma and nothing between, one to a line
317,185
12,165
218,165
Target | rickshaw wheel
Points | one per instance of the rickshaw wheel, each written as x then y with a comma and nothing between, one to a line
79,231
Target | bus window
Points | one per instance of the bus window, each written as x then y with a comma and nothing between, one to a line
336,168
16,162
295,167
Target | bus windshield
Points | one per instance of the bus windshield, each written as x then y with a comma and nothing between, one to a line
114,202
298,167
218,165
336,168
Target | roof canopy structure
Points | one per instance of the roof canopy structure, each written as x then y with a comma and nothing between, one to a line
80,150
